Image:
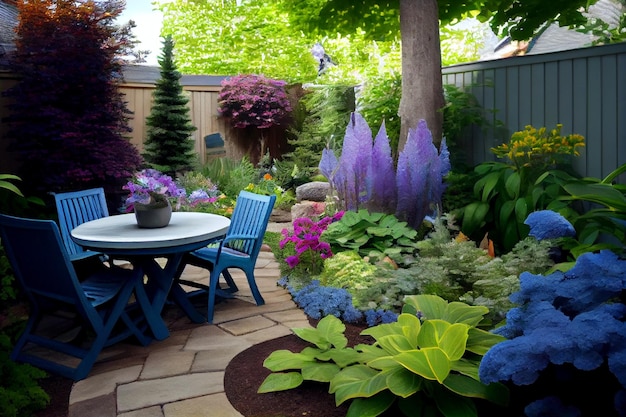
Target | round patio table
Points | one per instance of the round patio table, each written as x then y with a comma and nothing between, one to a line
120,237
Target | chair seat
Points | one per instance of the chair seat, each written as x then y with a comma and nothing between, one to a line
104,286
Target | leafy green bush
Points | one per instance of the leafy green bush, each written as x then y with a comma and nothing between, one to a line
427,366
537,168
373,235
20,396
604,225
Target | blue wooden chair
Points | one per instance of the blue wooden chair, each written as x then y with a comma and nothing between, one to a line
68,318
75,208
239,248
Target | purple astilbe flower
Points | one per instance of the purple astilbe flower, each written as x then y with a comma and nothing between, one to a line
382,196
350,179
418,169
548,224
328,165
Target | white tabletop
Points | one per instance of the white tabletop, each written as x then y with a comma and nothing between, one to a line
121,231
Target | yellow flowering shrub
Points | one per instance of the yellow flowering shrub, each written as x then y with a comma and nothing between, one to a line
540,147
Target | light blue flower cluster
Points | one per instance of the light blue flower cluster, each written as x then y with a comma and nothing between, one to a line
564,318
318,301
380,316
548,224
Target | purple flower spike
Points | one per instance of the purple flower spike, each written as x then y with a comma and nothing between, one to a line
382,190
328,164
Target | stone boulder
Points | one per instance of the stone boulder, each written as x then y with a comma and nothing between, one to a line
313,191
311,209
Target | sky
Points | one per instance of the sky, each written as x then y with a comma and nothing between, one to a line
148,27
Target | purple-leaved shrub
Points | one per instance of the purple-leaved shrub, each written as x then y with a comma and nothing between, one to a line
365,176
573,321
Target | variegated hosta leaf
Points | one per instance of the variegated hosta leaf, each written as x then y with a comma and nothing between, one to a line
282,360
356,381
280,382
320,372
430,363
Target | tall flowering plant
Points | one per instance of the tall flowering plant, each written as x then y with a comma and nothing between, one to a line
308,251
150,186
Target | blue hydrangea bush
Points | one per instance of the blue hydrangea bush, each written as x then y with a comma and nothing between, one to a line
568,330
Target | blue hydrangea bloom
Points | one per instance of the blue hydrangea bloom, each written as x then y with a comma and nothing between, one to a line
564,318
550,407
548,224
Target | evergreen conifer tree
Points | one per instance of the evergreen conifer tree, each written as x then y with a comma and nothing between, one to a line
169,147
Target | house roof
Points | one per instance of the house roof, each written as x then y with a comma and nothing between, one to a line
556,38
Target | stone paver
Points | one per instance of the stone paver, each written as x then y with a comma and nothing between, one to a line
141,394
183,375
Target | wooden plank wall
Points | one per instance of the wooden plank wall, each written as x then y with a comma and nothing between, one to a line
202,109
583,89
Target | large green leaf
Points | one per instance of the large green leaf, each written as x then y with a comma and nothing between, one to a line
403,382
395,344
280,382
430,363
430,306
356,381
512,185
489,184
496,393
282,360
451,405
329,331
480,341
371,407
474,216
604,194
320,372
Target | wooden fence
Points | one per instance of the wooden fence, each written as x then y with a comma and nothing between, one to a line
582,89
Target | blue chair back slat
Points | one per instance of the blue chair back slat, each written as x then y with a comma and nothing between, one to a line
78,207
41,265
246,220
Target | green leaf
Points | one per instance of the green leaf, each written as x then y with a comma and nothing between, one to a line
506,211
395,344
496,393
512,185
403,382
451,405
356,381
521,210
480,341
474,216
282,360
490,182
280,382
371,407
320,372
329,331
430,363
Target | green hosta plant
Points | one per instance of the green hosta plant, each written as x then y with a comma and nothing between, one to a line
372,235
426,362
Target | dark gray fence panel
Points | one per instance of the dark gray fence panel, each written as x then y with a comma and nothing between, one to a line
582,89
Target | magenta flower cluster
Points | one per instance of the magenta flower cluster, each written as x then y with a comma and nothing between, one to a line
306,241
253,100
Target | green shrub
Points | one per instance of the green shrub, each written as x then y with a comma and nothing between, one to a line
20,396
374,236
538,166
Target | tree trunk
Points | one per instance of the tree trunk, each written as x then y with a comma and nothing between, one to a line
422,87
